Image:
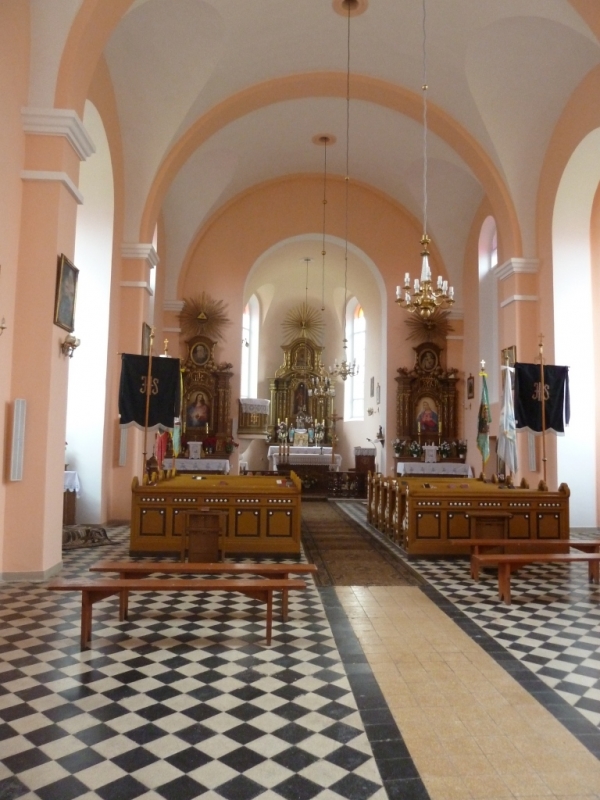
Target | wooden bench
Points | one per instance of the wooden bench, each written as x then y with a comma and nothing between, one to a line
94,590
478,546
507,561
137,569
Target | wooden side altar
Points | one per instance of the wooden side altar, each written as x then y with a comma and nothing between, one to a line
263,512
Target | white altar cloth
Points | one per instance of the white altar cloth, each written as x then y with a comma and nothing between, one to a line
71,482
440,468
198,464
304,455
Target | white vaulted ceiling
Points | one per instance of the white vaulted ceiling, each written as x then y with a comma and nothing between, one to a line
500,69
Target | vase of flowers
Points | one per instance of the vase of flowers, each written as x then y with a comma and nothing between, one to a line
461,448
415,449
398,446
230,444
445,449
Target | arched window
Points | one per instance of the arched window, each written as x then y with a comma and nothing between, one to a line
488,304
356,331
250,329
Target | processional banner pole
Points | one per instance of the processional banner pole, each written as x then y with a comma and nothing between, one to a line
543,401
147,415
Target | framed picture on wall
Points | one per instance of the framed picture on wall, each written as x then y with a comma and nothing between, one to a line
146,331
378,394
508,356
66,291
372,387
470,387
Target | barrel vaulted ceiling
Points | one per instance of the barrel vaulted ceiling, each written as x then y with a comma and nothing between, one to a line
500,71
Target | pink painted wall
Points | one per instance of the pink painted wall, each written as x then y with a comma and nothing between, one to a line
14,74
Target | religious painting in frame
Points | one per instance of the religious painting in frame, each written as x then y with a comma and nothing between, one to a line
372,387
146,331
66,292
470,387
508,356
427,415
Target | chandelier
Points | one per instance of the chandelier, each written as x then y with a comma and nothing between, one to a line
321,385
345,369
425,298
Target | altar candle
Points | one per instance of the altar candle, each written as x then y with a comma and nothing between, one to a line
406,279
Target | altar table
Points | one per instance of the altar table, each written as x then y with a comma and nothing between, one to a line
304,456
198,465
437,468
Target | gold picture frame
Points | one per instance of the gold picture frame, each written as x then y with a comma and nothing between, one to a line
67,276
146,331
508,356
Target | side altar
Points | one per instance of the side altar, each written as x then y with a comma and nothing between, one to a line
262,512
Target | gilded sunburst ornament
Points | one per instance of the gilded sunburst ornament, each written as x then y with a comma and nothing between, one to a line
305,321
437,327
203,316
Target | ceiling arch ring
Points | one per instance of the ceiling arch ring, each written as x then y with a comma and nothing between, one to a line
328,84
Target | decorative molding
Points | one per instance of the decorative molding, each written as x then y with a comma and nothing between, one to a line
140,251
515,266
59,122
172,330
137,285
456,313
456,338
61,177
519,298
173,305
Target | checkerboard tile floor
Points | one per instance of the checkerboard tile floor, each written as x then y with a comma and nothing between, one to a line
175,704
552,626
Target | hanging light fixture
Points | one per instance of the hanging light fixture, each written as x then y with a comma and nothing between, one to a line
344,369
424,298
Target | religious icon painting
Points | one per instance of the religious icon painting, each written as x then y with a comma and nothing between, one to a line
66,291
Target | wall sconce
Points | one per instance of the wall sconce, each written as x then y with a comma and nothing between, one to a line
2,326
70,344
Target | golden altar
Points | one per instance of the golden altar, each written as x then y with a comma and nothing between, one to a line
262,512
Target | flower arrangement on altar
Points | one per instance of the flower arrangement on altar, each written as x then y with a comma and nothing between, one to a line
399,446
230,444
319,431
461,447
415,449
445,449
282,431
209,444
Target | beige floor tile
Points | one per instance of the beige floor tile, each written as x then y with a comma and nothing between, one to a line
526,785
435,766
443,788
570,781
482,787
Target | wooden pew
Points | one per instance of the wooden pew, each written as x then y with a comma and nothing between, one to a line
478,546
94,590
507,561
138,569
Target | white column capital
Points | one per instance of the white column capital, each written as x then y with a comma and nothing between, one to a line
140,251
59,122
515,266
174,305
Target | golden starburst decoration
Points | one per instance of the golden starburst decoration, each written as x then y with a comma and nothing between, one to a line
203,316
437,327
304,321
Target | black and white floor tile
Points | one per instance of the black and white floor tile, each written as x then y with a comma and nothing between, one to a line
552,627
183,702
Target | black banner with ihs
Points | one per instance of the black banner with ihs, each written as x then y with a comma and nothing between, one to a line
528,397
164,391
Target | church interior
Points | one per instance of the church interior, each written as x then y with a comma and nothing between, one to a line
345,219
